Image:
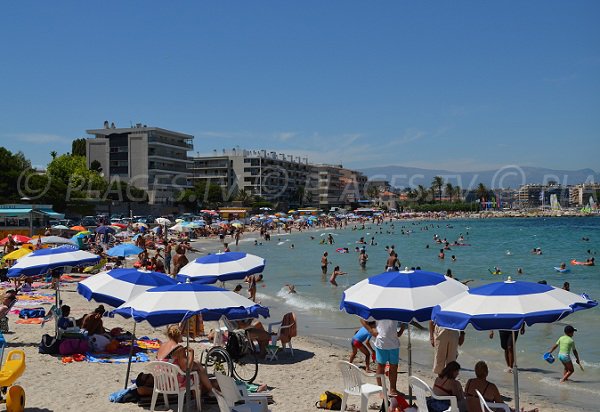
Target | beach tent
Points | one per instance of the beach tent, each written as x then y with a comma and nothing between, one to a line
507,306
222,267
404,296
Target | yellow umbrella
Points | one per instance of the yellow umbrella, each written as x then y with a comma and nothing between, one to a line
84,232
237,225
16,254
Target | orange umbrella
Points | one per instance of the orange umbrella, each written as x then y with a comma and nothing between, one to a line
78,228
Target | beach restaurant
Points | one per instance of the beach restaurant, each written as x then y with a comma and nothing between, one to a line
25,219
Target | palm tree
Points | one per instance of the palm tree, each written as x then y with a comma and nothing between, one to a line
482,191
436,186
53,154
449,191
458,193
422,194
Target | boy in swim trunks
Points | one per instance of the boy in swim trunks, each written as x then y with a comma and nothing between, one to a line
360,342
565,344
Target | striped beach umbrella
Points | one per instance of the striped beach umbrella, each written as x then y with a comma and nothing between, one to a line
169,304
44,260
507,306
115,287
222,267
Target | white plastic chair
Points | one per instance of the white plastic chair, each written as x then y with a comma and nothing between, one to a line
232,395
276,335
486,406
353,385
166,382
421,391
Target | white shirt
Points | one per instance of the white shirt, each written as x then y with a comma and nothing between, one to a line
387,334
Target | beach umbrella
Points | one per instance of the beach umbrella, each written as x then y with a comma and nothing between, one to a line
44,260
162,221
192,225
60,227
237,225
169,304
507,306
140,224
124,249
105,229
84,233
403,296
16,239
180,227
78,228
117,286
57,240
17,254
221,267
119,225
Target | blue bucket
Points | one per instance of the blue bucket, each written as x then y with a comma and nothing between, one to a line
548,357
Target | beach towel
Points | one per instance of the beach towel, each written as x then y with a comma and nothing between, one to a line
30,321
287,334
112,358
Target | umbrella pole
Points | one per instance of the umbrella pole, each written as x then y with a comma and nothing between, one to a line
188,398
57,303
409,364
515,372
130,355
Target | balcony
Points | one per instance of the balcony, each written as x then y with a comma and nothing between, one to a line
171,141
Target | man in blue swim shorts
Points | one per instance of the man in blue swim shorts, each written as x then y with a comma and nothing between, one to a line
387,349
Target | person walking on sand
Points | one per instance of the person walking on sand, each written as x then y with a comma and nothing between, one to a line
336,272
566,344
324,263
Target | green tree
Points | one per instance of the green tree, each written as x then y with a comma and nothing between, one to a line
422,194
449,189
53,154
96,166
15,167
436,186
73,171
78,147
458,193
372,192
482,191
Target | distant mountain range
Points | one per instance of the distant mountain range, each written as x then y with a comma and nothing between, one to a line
506,177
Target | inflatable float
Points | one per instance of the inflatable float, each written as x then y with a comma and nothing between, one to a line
578,263
495,272
565,270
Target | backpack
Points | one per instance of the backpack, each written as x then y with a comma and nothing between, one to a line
235,343
32,313
330,400
49,345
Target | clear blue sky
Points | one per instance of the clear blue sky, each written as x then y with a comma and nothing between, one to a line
462,85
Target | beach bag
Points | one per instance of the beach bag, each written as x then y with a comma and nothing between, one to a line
72,346
235,343
49,345
32,313
330,400
437,405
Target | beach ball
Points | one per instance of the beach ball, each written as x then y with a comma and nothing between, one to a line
15,399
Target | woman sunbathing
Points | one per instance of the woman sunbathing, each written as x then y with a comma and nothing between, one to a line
173,352
487,389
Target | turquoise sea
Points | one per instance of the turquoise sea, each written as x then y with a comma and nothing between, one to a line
505,243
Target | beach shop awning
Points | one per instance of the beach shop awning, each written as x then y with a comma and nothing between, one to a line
24,211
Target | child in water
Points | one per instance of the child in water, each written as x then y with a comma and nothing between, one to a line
565,344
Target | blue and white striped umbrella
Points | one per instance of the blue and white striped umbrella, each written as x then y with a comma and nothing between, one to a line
44,260
507,306
221,267
117,286
403,296
124,249
169,304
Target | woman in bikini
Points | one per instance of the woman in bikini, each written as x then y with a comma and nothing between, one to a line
488,390
173,352
447,385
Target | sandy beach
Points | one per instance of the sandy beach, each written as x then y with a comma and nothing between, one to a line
296,383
